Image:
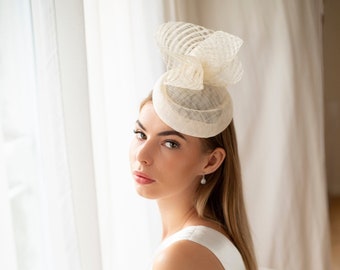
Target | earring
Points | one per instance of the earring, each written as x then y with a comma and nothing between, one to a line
203,180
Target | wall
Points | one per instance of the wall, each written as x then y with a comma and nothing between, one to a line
332,93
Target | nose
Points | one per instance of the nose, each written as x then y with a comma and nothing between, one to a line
144,153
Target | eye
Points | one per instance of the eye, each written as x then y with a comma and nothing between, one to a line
140,135
172,144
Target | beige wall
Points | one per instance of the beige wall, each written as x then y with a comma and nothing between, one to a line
332,93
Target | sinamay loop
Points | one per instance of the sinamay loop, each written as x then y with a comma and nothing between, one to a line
197,59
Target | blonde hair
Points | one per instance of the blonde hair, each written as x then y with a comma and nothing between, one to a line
221,199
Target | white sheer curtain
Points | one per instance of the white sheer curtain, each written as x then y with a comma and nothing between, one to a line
48,210
34,162
48,198
123,65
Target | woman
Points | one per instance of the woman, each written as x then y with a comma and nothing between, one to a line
184,154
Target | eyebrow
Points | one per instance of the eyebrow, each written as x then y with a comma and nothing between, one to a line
164,133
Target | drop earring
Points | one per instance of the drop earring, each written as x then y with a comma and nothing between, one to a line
203,180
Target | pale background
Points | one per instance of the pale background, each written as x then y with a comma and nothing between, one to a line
72,74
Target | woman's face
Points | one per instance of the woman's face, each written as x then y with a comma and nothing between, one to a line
164,163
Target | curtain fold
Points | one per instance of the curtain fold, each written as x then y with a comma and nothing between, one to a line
123,63
37,202
58,232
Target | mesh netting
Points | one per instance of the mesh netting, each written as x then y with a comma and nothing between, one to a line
191,96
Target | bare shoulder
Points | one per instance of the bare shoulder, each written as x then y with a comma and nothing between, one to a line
186,254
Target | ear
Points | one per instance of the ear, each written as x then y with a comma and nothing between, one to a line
215,160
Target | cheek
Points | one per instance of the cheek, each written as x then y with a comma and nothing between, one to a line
193,165
184,166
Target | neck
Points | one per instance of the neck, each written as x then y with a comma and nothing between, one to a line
175,215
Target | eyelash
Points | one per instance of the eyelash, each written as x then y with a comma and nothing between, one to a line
174,144
171,144
139,134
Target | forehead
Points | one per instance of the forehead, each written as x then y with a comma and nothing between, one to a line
148,115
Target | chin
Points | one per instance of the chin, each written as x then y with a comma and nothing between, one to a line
145,193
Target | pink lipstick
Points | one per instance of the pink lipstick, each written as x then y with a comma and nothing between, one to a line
142,179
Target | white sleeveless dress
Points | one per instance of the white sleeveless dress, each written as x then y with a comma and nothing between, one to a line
213,240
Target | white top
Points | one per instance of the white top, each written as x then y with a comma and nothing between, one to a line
213,240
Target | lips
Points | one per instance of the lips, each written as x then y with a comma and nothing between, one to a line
142,178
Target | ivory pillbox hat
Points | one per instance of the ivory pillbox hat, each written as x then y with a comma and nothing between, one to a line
191,96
